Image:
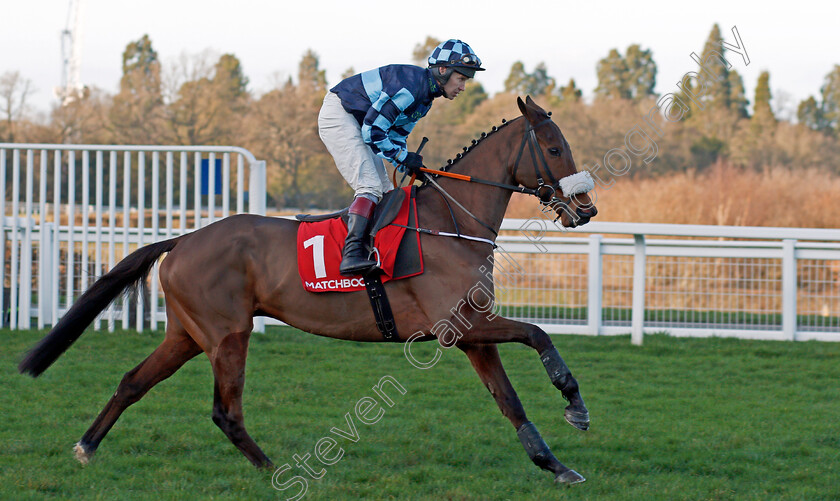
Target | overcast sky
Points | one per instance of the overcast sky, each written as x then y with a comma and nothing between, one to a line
798,42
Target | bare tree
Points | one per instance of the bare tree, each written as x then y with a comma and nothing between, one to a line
190,112
13,93
205,100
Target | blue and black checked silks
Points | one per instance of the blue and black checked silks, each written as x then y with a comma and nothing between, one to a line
387,102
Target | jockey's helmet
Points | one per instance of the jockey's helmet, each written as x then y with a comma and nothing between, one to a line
457,55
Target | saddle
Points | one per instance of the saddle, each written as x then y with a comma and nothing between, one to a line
384,214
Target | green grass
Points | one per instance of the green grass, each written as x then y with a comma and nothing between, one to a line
674,419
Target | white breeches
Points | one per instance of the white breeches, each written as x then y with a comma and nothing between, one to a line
341,133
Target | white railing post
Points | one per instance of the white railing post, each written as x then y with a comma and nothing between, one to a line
256,188
43,255
45,275
240,184
14,288
789,289
211,188
97,251
112,225
126,304
182,217
71,222
256,205
594,313
139,310
25,313
153,287
3,237
84,273
226,185
25,291
55,279
638,315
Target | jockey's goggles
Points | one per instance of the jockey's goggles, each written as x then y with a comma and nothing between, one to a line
468,60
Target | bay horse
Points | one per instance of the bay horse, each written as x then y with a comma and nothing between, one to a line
218,278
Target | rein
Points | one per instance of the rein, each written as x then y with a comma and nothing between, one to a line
460,206
463,177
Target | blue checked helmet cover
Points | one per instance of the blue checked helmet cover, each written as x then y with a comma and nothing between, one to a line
457,55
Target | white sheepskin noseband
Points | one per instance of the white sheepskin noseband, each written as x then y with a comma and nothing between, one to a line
577,183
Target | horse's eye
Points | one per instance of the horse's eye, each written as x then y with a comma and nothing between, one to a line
555,152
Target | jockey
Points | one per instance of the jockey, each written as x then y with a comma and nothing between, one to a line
367,118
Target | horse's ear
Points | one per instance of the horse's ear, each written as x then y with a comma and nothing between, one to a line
530,109
521,105
527,108
530,103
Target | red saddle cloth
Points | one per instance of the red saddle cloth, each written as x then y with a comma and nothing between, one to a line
320,244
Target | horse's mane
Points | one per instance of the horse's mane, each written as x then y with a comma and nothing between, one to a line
484,135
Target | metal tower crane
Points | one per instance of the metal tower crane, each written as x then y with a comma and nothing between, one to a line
71,55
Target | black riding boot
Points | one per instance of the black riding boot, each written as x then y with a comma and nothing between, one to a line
355,257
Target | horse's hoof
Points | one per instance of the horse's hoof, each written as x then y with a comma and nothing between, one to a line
569,477
577,418
82,455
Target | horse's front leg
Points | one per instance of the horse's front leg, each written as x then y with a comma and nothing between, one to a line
485,359
502,330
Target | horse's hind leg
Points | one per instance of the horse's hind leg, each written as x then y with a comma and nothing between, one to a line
176,348
485,359
228,361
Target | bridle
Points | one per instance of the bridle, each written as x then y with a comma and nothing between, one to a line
545,192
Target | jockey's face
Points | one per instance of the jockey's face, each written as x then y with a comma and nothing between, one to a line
455,85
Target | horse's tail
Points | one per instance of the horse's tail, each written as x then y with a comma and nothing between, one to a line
125,274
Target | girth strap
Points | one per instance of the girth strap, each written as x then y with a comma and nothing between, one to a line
381,306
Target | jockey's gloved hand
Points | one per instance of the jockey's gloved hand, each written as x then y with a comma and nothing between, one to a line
412,163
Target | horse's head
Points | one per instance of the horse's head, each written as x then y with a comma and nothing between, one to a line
544,163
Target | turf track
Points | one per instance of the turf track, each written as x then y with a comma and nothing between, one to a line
675,419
